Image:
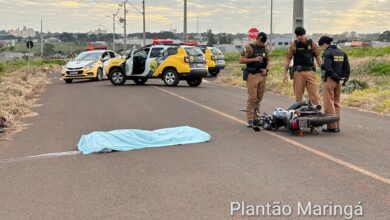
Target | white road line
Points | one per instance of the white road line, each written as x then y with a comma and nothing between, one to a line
41,156
292,142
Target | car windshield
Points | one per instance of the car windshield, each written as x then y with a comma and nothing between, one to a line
216,51
88,56
194,51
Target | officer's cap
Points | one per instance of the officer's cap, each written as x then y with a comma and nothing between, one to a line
300,31
325,40
262,36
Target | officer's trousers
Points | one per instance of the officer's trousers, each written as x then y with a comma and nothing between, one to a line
332,91
302,80
256,88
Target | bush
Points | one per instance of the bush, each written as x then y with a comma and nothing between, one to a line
354,85
379,69
1,68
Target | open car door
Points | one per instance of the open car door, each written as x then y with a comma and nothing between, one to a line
129,63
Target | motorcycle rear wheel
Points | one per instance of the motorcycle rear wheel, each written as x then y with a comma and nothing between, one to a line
317,121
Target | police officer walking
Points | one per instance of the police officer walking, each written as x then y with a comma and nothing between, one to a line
335,72
256,58
303,51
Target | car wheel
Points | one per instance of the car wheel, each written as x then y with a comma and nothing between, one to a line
117,77
68,80
170,77
195,81
140,81
99,75
214,72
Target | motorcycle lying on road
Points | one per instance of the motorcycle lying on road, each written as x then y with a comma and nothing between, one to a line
299,116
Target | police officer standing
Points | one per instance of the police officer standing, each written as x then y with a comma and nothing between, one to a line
335,72
303,51
255,56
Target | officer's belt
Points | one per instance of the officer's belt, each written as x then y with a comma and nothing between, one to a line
253,70
303,68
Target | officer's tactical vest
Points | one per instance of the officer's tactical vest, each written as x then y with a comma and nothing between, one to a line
257,51
304,55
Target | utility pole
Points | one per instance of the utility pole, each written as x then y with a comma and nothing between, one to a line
271,21
298,15
113,32
124,28
185,22
197,26
144,20
41,38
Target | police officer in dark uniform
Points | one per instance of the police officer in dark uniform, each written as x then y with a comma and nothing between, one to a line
256,58
303,51
335,72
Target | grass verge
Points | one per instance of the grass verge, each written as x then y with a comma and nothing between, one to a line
368,89
17,94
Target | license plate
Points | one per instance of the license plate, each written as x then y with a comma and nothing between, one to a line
199,65
303,123
73,73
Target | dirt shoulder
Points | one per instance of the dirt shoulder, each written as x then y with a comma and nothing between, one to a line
18,94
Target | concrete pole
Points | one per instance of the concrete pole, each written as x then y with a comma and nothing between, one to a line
124,28
144,20
113,32
41,38
185,22
271,21
298,15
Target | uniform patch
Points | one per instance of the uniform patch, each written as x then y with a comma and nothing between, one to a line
338,58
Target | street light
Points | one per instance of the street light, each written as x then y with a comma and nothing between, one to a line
124,19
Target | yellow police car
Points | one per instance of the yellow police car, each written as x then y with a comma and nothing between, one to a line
90,65
215,59
171,63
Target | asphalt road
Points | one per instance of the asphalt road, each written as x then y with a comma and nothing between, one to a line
196,181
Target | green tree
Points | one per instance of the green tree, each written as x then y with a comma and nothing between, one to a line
210,38
66,37
385,36
48,49
224,38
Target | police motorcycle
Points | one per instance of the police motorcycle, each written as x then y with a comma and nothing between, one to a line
296,118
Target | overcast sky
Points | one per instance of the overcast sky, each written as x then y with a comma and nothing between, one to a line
321,16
